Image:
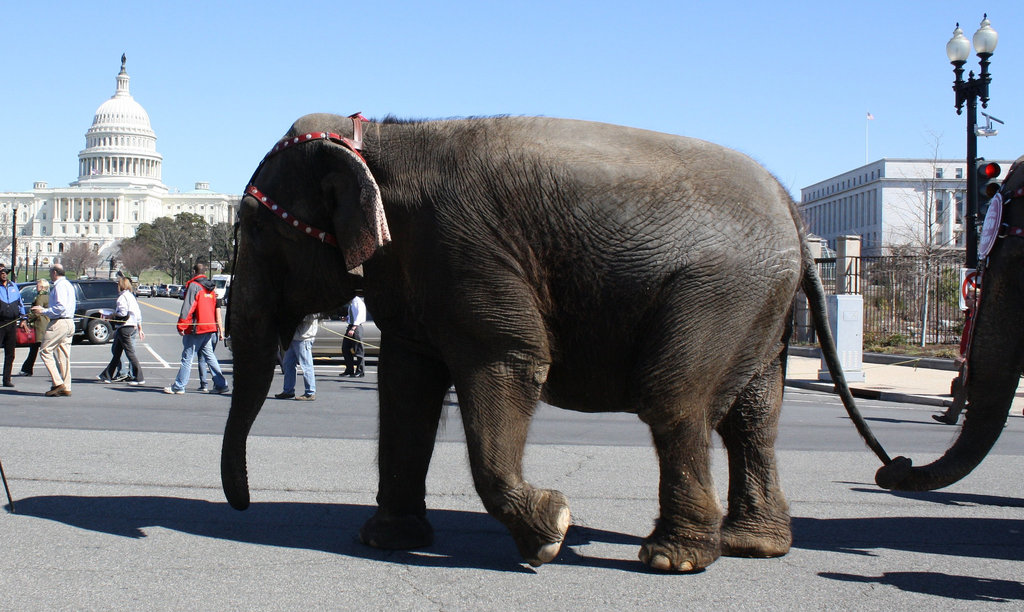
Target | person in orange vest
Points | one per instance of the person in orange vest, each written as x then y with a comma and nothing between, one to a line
198,325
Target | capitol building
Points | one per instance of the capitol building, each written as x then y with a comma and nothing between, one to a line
118,188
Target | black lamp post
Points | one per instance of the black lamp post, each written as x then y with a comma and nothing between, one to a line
211,259
958,49
14,241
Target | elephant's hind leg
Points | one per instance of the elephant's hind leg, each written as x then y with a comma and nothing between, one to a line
686,536
497,402
757,523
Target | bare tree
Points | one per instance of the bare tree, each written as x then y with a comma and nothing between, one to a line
78,257
925,214
135,258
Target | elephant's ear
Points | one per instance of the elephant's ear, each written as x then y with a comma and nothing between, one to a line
361,229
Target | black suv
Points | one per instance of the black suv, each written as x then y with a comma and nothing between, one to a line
92,296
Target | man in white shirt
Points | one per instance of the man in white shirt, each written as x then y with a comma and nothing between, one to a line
352,345
57,338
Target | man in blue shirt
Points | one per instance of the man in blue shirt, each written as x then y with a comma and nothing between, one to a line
57,338
12,309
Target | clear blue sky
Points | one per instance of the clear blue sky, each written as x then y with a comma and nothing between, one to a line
789,83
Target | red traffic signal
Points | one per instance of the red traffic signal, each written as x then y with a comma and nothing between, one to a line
987,173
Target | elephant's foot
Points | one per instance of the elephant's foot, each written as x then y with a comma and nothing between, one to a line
540,529
399,532
756,538
675,550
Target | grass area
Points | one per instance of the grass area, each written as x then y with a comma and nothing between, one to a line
942,351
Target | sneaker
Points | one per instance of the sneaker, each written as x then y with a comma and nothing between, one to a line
24,373
136,383
220,390
204,389
103,379
173,391
308,397
122,378
284,395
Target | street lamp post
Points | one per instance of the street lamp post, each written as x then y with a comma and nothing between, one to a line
958,49
14,241
211,259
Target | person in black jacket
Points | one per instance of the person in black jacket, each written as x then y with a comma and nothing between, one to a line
12,310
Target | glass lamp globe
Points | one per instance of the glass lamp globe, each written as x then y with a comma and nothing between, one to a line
985,39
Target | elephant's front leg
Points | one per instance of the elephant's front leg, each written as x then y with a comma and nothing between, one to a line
412,388
498,402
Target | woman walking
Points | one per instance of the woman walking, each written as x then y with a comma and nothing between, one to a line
128,314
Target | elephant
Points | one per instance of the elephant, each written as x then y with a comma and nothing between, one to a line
995,355
590,266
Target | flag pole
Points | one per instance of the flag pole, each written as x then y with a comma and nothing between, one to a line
867,118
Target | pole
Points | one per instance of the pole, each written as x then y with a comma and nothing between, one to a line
971,216
14,240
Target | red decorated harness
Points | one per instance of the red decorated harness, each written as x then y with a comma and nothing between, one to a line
355,144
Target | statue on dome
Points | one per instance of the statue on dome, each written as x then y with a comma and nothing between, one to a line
123,60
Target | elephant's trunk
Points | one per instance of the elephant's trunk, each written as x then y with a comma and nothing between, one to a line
254,343
994,369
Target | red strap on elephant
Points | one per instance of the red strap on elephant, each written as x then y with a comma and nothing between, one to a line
290,219
355,143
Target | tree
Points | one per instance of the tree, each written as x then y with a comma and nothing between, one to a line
222,240
78,257
135,257
925,213
174,243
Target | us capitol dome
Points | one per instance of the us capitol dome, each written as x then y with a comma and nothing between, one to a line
119,187
120,146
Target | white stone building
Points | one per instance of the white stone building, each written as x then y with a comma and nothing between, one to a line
118,188
892,202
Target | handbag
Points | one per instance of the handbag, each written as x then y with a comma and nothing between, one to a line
26,337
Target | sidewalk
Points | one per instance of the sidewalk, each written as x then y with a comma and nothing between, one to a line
902,381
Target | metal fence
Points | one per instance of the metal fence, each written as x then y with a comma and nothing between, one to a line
905,297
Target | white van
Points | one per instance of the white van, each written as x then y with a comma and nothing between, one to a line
221,283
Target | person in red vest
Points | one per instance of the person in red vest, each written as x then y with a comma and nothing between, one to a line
198,325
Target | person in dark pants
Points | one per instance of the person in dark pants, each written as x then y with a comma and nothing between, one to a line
12,309
39,322
352,345
128,313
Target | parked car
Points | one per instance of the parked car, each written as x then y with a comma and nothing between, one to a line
94,298
174,291
331,333
144,291
160,290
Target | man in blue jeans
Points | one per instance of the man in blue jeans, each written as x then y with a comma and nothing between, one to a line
198,324
300,352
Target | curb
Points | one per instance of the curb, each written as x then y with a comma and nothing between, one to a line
884,396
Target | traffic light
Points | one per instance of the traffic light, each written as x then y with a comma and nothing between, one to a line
987,174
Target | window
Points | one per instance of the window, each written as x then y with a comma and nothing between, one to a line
938,173
959,173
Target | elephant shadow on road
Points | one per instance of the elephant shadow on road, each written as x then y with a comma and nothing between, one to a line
463,539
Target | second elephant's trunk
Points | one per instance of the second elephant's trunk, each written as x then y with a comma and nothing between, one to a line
993,373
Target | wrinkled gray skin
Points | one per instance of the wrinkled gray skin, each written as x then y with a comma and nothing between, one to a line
994,365
595,267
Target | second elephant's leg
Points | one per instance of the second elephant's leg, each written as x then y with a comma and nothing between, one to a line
412,388
497,402
757,524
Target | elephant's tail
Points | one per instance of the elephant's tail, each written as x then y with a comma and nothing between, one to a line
815,293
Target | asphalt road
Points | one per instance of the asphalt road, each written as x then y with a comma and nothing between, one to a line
118,503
